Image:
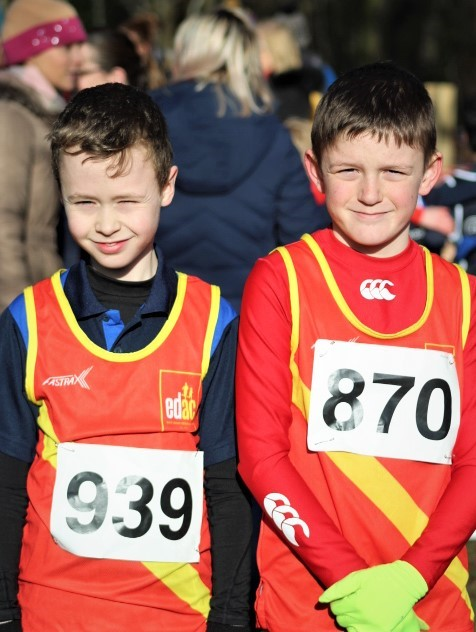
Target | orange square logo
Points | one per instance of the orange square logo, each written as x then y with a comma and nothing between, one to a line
180,395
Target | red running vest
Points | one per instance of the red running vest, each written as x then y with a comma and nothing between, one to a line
381,505
145,399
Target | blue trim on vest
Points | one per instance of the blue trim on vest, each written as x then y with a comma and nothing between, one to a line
18,311
226,314
64,276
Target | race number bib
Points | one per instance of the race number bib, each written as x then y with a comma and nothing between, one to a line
383,401
128,503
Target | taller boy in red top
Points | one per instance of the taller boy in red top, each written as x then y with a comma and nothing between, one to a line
355,404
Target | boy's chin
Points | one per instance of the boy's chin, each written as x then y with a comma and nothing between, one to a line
136,271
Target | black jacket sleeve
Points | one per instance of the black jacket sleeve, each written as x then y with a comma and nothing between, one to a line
229,514
13,500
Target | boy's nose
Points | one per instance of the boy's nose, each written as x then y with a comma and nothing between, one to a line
106,222
370,191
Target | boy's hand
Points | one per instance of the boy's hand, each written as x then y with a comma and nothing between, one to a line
411,623
377,598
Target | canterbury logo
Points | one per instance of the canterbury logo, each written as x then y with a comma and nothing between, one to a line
285,517
376,289
69,380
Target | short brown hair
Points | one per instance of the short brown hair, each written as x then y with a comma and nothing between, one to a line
107,120
381,99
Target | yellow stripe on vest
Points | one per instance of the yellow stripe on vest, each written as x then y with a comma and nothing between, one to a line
44,421
110,355
384,497
32,350
345,309
298,385
466,296
184,581
212,323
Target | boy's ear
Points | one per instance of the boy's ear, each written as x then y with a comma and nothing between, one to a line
432,174
313,171
169,189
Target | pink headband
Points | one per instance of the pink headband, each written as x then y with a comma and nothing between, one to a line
41,37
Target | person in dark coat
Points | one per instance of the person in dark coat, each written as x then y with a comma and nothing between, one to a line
241,188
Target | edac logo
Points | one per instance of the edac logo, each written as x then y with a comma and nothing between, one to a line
180,394
183,406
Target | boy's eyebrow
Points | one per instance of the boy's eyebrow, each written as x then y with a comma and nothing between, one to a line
393,166
73,196
119,196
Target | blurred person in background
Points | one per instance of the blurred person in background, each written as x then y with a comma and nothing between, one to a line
296,88
289,13
40,49
292,83
241,188
457,192
142,29
109,56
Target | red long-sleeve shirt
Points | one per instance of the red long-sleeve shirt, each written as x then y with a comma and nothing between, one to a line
264,386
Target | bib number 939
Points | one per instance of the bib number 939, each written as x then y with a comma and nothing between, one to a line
97,507
383,401
101,509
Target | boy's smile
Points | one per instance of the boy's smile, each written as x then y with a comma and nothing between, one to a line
114,217
371,190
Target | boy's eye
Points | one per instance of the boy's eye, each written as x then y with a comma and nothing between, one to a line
395,173
126,202
347,173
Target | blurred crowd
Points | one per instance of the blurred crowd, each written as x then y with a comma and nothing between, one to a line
238,94
238,98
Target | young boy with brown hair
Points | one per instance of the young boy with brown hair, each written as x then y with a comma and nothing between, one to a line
355,374
117,395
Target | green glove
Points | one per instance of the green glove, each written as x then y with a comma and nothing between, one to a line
411,623
376,599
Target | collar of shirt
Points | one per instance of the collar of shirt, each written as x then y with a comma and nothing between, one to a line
85,304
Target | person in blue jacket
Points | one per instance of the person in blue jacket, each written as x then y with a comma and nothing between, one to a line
457,191
241,189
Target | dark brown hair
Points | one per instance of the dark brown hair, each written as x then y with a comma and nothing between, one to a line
107,120
381,99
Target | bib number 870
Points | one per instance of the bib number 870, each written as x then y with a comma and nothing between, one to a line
403,383
99,505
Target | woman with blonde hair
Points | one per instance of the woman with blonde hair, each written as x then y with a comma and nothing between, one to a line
295,86
241,188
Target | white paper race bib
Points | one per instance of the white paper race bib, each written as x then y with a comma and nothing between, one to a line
128,503
383,401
